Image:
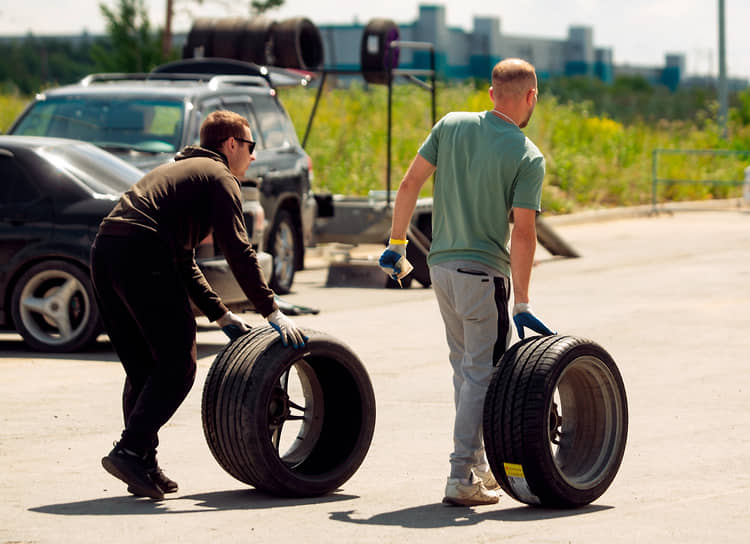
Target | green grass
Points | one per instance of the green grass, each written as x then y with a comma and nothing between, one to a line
592,162
11,106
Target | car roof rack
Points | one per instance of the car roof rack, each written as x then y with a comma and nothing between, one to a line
275,76
213,81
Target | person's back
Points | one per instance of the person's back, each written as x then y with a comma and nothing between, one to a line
485,165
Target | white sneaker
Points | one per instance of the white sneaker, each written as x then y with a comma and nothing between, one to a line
473,494
488,479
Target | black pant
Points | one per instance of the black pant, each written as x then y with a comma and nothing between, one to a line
147,314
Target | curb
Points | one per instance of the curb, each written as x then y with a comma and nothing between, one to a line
647,210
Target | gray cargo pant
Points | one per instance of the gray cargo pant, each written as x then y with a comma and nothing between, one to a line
473,301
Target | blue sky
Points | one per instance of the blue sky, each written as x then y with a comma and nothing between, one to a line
639,31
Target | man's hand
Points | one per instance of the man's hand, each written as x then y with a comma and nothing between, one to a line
393,260
232,325
523,317
287,330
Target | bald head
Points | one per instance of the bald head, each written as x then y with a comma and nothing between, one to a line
513,78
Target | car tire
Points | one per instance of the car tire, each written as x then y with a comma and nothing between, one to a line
256,388
284,245
53,307
555,421
375,54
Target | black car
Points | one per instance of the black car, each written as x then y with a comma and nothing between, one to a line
145,118
53,195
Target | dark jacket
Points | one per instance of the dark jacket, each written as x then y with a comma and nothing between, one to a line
182,203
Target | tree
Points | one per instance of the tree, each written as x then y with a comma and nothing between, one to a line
133,46
259,7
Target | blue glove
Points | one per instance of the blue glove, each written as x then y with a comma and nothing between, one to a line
523,317
393,260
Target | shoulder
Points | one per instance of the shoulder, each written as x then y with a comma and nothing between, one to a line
460,117
532,152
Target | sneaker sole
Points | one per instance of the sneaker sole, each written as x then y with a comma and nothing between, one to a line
134,481
451,501
132,490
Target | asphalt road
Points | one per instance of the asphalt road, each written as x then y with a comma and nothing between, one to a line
667,296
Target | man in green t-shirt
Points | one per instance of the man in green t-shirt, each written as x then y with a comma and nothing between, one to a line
487,173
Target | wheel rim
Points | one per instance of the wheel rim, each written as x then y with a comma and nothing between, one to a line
283,254
296,413
54,307
586,419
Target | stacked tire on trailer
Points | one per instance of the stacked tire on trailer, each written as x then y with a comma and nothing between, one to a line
291,43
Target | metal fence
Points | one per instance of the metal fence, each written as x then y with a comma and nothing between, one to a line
711,152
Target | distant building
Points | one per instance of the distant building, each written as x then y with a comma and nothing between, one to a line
460,54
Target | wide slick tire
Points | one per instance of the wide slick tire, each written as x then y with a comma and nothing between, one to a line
555,421
294,423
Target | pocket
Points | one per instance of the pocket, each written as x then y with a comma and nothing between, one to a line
472,272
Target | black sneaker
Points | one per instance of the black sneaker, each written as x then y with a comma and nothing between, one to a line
131,469
166,484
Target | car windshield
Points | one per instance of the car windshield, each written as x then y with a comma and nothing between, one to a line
151,126
97,170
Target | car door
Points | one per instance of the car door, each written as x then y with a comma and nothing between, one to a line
285,165
26,214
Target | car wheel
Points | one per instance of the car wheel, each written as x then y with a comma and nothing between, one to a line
555,421
54,309
288,422
284,245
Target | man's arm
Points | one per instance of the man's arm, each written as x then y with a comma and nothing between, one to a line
419,171
522,249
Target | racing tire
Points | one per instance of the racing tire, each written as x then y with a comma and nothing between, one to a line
285,245
555,421
53,307
257,391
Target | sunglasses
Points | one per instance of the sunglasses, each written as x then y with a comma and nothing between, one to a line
250,144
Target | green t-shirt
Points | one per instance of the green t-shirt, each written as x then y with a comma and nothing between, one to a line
485,167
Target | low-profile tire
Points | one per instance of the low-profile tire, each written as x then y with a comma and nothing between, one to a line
555,421
53,307
257,391
284,244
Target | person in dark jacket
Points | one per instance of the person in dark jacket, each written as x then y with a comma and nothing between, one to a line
144,274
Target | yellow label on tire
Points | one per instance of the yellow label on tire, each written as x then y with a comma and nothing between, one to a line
511,469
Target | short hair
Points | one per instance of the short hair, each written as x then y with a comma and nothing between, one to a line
513,77
220,125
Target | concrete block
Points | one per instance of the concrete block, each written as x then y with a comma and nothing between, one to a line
356,273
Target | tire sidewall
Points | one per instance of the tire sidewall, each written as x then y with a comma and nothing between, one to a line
272,364
540,442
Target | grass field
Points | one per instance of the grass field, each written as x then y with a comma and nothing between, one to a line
592,162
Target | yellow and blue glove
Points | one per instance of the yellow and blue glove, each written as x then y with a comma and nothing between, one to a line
393,260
